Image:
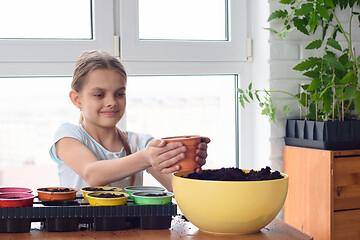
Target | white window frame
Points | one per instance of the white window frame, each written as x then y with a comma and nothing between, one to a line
133,49
48,57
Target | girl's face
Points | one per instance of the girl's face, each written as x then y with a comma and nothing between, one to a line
102,99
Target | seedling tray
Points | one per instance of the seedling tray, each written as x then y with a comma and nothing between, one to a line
67,217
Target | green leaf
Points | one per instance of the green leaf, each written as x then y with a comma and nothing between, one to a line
314,45
349,77
334,62
305,9
283,34
286,1
313,21
357,102
315,84
349,92
352,2
272,30
300,24
251,95
310,63
333,43
245,98
241,100
257,95
278,14
287,110
329,3
323,12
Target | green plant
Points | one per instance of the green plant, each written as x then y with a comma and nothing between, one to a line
334,92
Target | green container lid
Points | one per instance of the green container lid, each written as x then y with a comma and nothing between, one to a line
131,189
152,197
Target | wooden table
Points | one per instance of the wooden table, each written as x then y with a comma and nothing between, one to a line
180,229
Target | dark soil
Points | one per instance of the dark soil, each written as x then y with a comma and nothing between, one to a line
57,190
236,174
100,189
155,195
109,195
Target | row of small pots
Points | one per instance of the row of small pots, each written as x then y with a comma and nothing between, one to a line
96,196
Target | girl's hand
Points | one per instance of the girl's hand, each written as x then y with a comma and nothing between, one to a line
162,156
201,153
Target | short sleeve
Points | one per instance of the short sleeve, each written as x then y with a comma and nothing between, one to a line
64,130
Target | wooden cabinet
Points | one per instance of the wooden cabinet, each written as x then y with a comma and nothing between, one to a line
324,192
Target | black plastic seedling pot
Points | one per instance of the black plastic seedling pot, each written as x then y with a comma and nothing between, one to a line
328,135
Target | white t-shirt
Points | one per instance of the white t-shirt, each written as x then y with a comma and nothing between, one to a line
68,178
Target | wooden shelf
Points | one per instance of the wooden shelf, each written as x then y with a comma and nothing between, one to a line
324,192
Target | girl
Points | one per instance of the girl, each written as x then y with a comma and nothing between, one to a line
96,152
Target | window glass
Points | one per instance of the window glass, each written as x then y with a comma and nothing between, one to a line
57,19
167,106
31,111
183,19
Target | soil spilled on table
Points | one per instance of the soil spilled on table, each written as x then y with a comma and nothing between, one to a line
236,174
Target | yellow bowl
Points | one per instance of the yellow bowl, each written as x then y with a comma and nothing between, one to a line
86,190
95,200
229,207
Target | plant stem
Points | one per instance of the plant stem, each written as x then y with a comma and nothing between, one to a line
345,33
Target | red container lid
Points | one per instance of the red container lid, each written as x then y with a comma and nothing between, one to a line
15,189
16,199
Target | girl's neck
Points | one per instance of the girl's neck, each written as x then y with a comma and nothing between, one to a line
106,137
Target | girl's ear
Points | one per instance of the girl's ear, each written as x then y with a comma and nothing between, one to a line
75,98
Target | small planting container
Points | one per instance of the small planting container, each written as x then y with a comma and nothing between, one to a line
56,193
107,198
191,142
15,189
152,198
16,199
131,189
86,190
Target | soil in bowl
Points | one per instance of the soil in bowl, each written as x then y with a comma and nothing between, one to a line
236,174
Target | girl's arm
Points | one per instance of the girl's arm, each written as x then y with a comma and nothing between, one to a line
158,155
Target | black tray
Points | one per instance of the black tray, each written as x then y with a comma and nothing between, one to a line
67,218
330,135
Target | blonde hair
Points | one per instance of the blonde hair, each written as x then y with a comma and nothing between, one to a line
89,61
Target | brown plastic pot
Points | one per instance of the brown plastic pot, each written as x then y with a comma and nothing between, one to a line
191,142
56,193
16,199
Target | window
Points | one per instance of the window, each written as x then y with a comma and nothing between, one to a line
191,105
32,109
36,69
48,54
134,25
185,20
45,19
